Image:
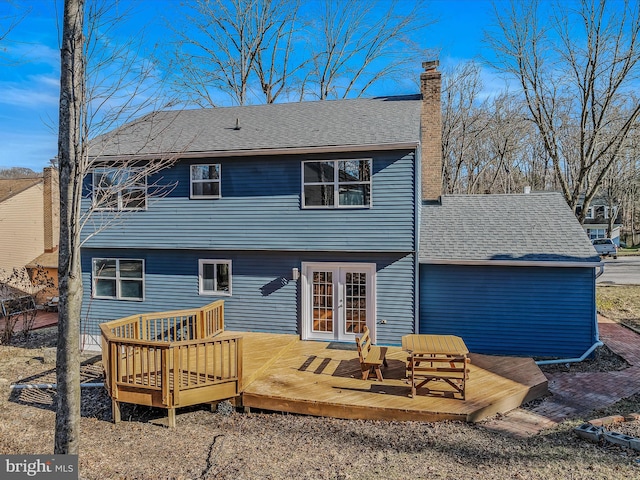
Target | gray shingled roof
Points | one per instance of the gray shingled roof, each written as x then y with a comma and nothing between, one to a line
538,227
375,121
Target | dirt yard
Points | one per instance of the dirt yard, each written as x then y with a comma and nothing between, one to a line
230,445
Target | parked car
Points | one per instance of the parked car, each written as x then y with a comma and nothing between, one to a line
605,247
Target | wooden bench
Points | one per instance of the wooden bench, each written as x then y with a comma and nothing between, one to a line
371,357
423,369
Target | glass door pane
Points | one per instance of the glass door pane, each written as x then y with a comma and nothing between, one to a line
322,302
355,302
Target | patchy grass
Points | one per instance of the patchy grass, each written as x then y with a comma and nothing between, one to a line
620,303
625,406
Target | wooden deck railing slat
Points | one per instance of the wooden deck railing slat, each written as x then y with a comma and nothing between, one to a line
169,353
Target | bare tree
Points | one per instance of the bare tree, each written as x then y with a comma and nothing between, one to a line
463,123
20,291
72,101
240,49
575,73
10,21
102,85
357,44
17,172
264,50
505,141
274,66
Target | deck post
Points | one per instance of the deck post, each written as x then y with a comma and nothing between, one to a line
171,414
239,365
115,411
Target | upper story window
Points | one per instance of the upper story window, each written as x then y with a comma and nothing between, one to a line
205,181
119,189
214,277
590,214
336,183
610,212
118,279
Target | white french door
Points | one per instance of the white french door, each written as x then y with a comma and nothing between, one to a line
338,300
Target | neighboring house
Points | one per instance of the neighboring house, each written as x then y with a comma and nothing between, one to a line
597,218
29,221
305,218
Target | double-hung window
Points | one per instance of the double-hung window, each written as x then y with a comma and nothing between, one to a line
118,278
205,181
336,183
119,189
214,277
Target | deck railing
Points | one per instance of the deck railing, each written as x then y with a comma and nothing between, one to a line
171,359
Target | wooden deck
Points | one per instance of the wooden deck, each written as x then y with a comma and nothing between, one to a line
181,358
283,373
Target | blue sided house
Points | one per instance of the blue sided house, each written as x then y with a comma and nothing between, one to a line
321,218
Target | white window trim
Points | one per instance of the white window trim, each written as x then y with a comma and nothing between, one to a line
209,261
611,212
336,185
117,279
596,233
119,207
192,181
590,213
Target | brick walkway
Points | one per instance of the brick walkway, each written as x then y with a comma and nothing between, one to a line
43,320
577,394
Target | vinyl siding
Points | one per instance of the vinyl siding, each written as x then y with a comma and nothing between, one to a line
261,208
530,311
264,298
22,222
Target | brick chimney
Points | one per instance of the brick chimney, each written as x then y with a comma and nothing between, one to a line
51,200
431,132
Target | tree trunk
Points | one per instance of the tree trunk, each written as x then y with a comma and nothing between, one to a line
72,92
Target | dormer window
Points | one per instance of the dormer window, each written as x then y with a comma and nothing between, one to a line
336,184
590,214
610,212
205,181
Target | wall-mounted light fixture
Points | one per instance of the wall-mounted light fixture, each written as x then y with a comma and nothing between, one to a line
295,274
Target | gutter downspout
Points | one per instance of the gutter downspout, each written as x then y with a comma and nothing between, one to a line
588,352
574,360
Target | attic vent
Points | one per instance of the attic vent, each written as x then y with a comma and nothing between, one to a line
237,127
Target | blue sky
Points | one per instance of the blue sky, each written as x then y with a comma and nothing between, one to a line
29,65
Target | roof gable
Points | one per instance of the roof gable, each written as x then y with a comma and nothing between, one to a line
10,187
288,126
536,227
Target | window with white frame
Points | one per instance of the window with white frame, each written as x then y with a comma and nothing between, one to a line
595,233
118,278
119,189
610,212
336,183
590,213
205,181
214,277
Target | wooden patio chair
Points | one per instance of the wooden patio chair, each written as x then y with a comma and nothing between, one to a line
371,357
